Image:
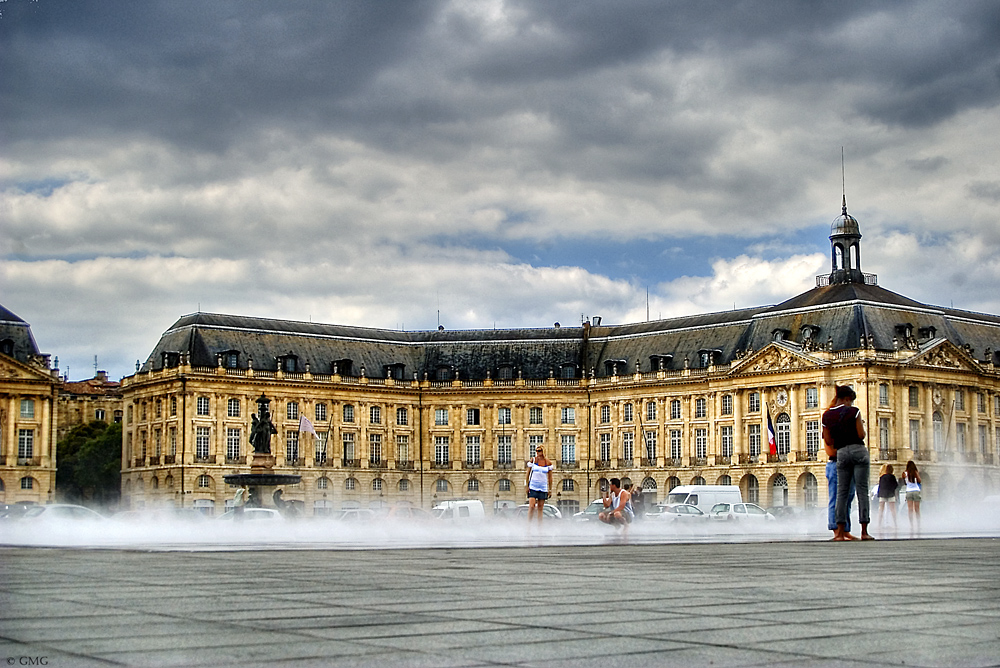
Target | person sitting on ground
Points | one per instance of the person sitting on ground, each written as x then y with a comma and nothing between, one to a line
617,505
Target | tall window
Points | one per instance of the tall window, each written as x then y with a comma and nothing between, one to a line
628,445
320,412
201,406
960,436
505,450
983,439
375,415
883,436
783,435
402,448
402,416
172,441
472,416
753,402
568,415
701,443
914,395
568,449
292,410
233,408
811,490
319,447
915,435
726,436
883,394
441,485
375,449
173,407
27,408
650,410
472,450
627,413
503,485
350,484
201,442
700,407
996,405
938,432
159,409
441,450
980,402
534,441
291,446
158,446
535,415
348,413
25,443
675,443
204,481
753,490
675,409
233,442
812,397
605,447
959,400
441,417
754,440
650,445
503,415
605,414
472,485
27,482
727,404
812,436
377,485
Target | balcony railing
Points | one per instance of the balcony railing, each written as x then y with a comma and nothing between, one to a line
404,465
378,464
922,455
724,459
625,463
203,460
351,463
154,460
699,461
440,465
943,456
472,465
806,456
988,458
295,463
749,459
602,464
322,462
505,466
235,461
887,455
672,461
776,459
169,459
563,465
28,461
646,462
136,463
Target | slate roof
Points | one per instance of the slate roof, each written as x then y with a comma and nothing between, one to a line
18,333
839,313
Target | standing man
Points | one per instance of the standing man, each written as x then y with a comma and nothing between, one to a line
617,506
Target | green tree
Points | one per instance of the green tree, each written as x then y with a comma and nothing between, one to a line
89,463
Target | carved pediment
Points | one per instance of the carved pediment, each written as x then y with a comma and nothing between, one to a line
774,357
945,355
11,369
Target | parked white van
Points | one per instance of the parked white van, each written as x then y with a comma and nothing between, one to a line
704,496
460,510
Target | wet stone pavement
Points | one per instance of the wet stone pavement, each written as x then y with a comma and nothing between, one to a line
906,602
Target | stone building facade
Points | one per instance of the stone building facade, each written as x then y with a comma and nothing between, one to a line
84,401
28,393
425,416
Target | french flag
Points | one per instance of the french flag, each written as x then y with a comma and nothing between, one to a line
772,444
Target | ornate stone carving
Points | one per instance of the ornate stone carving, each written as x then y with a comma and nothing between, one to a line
943,358
778,359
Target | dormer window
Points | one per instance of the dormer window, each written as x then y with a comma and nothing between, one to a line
658,362
171,359
927,332
708,357
443,373
288,363
7,347
809,332
567,370
231,359
505,372
395,371
904,330
344,367
780,335
614,367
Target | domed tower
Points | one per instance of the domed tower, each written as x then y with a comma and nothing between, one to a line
845,249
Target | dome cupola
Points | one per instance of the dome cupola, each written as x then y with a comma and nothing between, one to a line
845,249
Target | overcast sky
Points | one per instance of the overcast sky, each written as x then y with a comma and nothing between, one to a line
511,164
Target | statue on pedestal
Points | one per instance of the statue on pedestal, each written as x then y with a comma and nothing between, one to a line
263,428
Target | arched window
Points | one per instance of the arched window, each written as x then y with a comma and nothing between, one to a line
724,480
810,490
855,260
404,485
351,484
783,436
323,483
472,485
27,482
672,481
155,483
503,485
779,490
697,480
838,257
441,485
649,491
752,489
938,432
568,485
204,481
377,485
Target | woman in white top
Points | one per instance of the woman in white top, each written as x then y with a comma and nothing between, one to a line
538,480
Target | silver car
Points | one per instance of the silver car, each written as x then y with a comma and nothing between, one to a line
679,512
740,512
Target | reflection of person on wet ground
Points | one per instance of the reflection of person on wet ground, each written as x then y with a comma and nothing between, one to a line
239,500
538,480
911,478
887,486
618,511
844,431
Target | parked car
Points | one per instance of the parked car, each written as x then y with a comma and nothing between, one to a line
253,515
60,511
704,496
741,512
678,512
548,510
355,515
461,510
588,514
408,514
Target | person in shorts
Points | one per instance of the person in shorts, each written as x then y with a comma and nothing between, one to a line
618,509
538,480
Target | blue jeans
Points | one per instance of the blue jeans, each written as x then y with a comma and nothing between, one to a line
831,486
853,464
